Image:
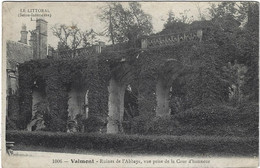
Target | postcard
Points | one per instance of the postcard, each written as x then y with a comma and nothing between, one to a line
130,84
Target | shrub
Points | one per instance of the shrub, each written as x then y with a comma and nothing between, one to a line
207,115
248,117
137,144
163,126
219,120
95,124
140,124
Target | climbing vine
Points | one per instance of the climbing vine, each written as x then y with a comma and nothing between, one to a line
58,75
94,73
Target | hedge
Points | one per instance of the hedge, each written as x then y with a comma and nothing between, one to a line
138,144
220,120
203,120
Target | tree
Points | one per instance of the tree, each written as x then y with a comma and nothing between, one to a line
62,33
123,24
184,18
76,37
85,39
173,24
201,14
239,43
223,9
250,50
235,76
228,42
108,15
141,24
171,19
70,37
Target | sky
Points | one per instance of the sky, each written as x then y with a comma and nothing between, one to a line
84,14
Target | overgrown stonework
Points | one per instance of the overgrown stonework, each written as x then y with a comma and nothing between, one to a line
58,76
156,75
95,76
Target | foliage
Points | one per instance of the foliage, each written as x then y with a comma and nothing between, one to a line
223,9
218,119
173,25
70,37
95,124
249,117
41,111
138,144
177,24
10,124
241,44
250,49
202,14
12,118
25,94
58,76
179,102
140,124
184,18
125,25
235,76
41,108
202,81
130,103
80,120
210,120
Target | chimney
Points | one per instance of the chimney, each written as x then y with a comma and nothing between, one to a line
33,43
24,33
42,33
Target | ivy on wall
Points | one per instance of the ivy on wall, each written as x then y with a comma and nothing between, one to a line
94,74
13,112
26,78
58,76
